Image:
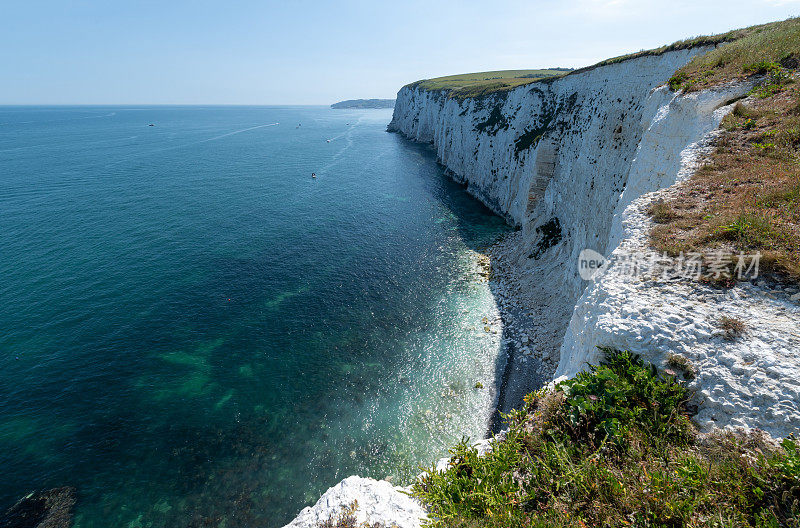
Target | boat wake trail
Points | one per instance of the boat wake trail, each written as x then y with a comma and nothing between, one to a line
233,133
183,145
348,135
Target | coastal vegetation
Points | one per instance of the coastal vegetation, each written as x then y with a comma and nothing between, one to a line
615,446
749,41
746,197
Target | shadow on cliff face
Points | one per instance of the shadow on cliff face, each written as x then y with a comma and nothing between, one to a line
478,226
535,320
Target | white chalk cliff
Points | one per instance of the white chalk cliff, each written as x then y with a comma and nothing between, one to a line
573,162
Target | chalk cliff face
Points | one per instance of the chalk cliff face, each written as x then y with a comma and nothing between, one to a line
509,147
555,158
552,157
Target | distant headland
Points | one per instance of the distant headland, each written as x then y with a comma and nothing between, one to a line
364,103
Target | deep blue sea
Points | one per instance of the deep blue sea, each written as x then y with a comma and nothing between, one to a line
195,332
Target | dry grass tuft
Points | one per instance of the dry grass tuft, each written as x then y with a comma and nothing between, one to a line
347,519
661,212
733,327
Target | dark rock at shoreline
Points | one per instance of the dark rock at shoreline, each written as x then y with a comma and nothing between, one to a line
41,509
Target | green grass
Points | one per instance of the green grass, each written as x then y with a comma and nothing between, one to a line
742,54
768,49
614,446
475,85
482,83
693,42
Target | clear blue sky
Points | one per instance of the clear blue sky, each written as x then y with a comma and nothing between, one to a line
315,52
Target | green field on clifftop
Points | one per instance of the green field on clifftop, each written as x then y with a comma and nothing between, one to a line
482,83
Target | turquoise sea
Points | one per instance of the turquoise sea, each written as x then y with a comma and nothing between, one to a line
195,332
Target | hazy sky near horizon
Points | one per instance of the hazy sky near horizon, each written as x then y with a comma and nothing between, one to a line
314,52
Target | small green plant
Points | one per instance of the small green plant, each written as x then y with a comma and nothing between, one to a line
764,146
676,81
783,479
777,76
763,67
789,137
613,446
730,123
682,363
749,230
766,90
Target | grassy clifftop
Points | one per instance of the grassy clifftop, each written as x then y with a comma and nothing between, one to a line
754,50
483,83
733,51
479,84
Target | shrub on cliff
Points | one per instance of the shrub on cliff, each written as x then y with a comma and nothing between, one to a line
615,447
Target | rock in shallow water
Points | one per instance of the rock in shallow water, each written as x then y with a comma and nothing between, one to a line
41,509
